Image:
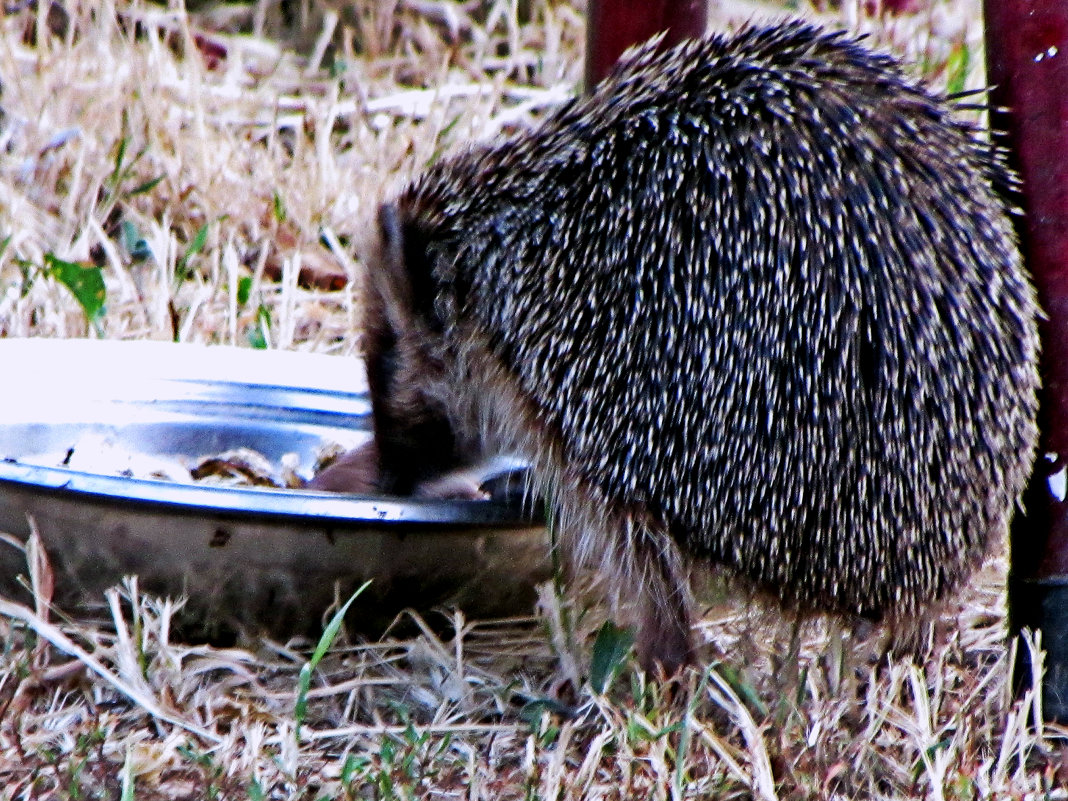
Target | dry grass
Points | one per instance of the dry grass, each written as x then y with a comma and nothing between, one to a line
126,131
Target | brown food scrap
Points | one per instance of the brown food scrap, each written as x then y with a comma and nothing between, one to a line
241,466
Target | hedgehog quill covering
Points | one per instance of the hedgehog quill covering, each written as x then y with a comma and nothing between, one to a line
755,301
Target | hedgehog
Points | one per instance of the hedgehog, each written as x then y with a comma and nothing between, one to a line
754,302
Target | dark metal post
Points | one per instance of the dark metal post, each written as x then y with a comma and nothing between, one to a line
614,25
1027,58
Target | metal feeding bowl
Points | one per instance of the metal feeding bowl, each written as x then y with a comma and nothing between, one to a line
81,420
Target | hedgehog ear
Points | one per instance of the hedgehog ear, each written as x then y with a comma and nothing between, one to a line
406,265
389,274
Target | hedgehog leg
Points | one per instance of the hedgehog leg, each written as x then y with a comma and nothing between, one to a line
664,640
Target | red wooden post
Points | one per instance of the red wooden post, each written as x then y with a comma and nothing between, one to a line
614,25
1027,58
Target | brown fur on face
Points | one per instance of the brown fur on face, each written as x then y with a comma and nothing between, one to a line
414,437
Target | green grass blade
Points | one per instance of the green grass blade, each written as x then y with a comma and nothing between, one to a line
329,634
